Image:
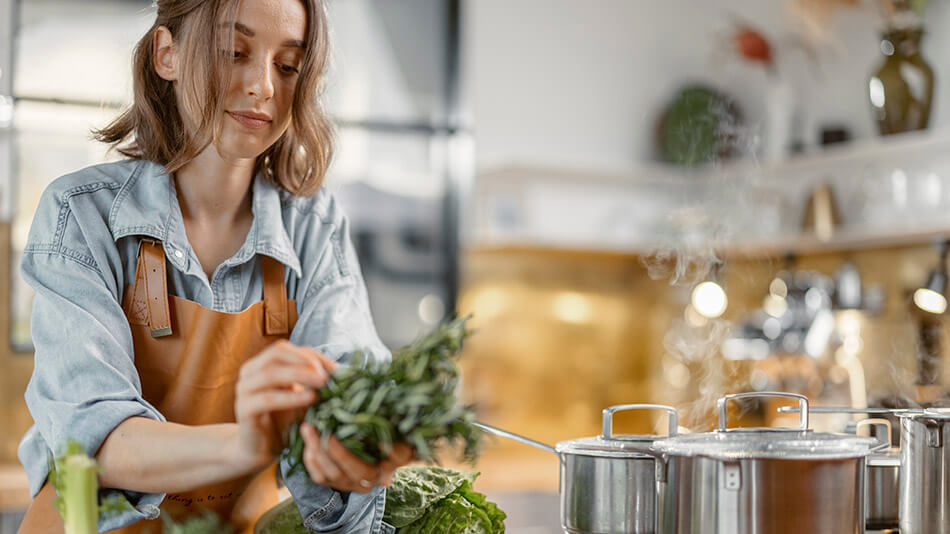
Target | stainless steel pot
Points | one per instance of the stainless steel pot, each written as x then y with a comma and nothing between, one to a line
882,485
607,482
925,472
761,481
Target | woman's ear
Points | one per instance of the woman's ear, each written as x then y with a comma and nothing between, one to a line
163,54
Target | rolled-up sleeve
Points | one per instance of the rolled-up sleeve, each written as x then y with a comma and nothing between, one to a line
335,319
84,381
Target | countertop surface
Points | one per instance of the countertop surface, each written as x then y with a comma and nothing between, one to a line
14,489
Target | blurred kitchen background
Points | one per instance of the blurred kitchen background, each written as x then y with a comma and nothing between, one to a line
639,201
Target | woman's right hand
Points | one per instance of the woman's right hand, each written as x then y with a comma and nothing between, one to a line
273,390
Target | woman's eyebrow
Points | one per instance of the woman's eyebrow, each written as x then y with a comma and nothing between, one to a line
242,28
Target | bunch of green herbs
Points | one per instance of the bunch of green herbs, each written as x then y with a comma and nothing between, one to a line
371,406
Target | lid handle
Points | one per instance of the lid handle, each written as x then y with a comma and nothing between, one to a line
608,427
802,404
875,421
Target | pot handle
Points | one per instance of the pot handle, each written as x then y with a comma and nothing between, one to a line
875,422
608,424
802,404
512,436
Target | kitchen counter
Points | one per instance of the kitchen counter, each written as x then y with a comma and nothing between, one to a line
14,497
529,512
14,489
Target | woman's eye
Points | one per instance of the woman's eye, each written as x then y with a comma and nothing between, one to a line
288,69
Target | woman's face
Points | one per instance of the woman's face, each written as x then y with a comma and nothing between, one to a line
267,55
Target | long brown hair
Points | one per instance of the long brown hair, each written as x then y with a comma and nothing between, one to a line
153,127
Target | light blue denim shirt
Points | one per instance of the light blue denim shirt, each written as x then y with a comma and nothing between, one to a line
81,255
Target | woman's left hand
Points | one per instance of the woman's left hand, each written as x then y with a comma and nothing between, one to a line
341,470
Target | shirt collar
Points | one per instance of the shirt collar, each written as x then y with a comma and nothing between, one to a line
147,205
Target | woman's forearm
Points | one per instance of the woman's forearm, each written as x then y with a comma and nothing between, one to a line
153,457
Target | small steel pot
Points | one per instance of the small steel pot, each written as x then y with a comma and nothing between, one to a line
607,482
761,481
882,485
925,472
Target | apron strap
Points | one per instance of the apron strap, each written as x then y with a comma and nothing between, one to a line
275,297
150,293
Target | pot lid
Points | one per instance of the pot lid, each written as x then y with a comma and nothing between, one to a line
778,443
737,444
611,445
617,446
930,414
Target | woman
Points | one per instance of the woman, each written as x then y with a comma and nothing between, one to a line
190,299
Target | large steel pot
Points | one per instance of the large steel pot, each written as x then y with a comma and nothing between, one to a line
761,481
607,482
882,485
925,472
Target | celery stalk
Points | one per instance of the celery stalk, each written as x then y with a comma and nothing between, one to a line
81,510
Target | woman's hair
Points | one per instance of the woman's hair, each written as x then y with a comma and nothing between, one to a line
153,127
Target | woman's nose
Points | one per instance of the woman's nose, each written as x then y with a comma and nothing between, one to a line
261,83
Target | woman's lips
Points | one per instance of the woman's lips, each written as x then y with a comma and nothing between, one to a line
249,122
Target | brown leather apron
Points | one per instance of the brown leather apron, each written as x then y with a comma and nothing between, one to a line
188,358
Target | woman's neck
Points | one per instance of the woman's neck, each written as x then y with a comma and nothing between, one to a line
215,199
214,191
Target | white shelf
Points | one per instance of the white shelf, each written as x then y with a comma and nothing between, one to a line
889,192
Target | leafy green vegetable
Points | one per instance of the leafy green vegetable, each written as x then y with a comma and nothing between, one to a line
421,499
370,406
73,475
433,500
415,489
281,519
207,523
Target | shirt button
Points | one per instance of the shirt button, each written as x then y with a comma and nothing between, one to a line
178,254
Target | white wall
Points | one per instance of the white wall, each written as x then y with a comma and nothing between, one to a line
579,83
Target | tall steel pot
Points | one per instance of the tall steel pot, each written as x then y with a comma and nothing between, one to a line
761,481
925,472
607,482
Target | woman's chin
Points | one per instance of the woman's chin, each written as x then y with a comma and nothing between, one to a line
238,150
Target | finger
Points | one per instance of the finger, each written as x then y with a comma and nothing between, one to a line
313,468
280,354
281,376
386,477
287,352
355,468
328,364
402,454
316,358
270,401
386,471
331,474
